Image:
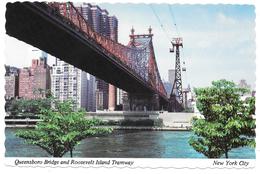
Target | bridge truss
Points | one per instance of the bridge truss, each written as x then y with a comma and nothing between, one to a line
138,55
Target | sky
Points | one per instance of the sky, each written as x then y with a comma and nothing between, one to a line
218,40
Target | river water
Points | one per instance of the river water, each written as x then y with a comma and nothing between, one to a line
124,144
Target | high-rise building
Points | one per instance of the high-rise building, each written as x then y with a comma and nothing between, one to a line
171,75
105,28
34,81
91,91
25,83
97,18
85,10
113,28
70,83
11,82
106,25
101,94
169,84
119,97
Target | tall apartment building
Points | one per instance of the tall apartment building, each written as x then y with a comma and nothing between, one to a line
85,10
171,75
34,80
11,82
101,94
91,91
119,98
97,18
113,28
25,84
107,26
71,83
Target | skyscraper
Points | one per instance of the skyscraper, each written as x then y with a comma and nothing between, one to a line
70,83
100,25
119,97
106,25
97,18
113,28
85,10
171,75
105,28
101,94
91,91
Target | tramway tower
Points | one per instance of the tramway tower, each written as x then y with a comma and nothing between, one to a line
176,96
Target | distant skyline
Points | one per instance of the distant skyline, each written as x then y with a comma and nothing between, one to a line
219,40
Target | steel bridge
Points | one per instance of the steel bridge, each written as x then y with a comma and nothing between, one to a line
60,30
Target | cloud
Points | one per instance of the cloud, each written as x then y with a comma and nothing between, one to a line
222,19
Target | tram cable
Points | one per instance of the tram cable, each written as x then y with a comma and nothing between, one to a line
184,69
161,25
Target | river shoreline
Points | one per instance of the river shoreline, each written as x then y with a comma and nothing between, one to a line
146,128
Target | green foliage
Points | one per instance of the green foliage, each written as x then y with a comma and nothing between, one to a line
61,129
28,107
227,121
13,107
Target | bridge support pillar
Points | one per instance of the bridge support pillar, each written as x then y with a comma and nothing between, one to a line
141,102
126,102
111,97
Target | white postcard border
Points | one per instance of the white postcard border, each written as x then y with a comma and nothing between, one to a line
138,163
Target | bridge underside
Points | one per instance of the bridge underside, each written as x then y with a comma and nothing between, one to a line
143,102
28,23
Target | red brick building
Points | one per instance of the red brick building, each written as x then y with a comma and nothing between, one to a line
35,80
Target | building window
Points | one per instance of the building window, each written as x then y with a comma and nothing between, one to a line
66,69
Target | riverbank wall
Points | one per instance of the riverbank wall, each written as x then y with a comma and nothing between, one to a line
169,120
150,120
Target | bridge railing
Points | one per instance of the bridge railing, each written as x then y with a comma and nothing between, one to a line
120,52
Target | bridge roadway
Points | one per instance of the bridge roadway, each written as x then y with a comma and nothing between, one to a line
36,25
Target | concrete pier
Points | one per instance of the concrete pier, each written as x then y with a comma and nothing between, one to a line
176,119
120,115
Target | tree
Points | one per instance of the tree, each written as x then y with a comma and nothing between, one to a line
227,122
13,106
61,129
28,107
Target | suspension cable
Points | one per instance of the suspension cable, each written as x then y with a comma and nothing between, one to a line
161,25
